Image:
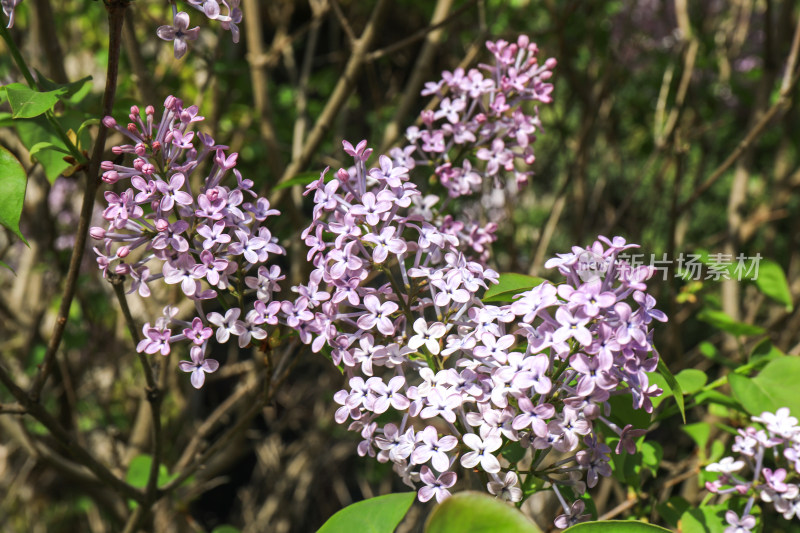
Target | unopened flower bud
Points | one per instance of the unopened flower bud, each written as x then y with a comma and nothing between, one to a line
111,177
123,251
107,165
150,110
97,233
109,122
162,224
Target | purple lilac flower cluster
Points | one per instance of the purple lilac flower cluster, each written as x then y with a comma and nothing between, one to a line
226,12
175,227
474,138
397,304
780,441
479,129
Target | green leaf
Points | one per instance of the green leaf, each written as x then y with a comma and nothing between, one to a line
226,529
139,472
44,145
381,514
476,512
27,103
13,182
510,284
513,452
672,509
35,131
772,282
71,93
721,320
691,380
302,179
677,392
615,526
700,432
704,519
773,388
4,265
652,453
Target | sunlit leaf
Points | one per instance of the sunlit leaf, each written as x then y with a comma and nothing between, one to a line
13,182
381,514
28,103
476,512
509,285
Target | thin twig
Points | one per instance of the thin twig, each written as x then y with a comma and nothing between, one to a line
154,397
411,92
337,99
259,70
80,454
116,16
437,22
789,81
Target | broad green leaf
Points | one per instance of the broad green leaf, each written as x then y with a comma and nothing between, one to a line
623,413
509,285
691,380
381,514
773,388
772,282
35,131
672,509
700,432
654,378
44,145
13,181
476,512
303,179
27,103
677,392
71,93
721,320
139,472
513,452
709,518
615,526
652,453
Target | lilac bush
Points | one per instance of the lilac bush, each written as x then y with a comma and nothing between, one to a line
775,443
207,234
394,295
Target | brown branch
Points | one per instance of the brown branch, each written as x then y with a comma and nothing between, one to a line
337,99
432,38
36,410
116,15
12,409
259,70
789,81
437,22
154,397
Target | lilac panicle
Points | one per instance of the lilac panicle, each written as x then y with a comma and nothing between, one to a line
205,234
394,300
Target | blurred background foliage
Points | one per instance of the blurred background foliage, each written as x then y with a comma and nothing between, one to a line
651,98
